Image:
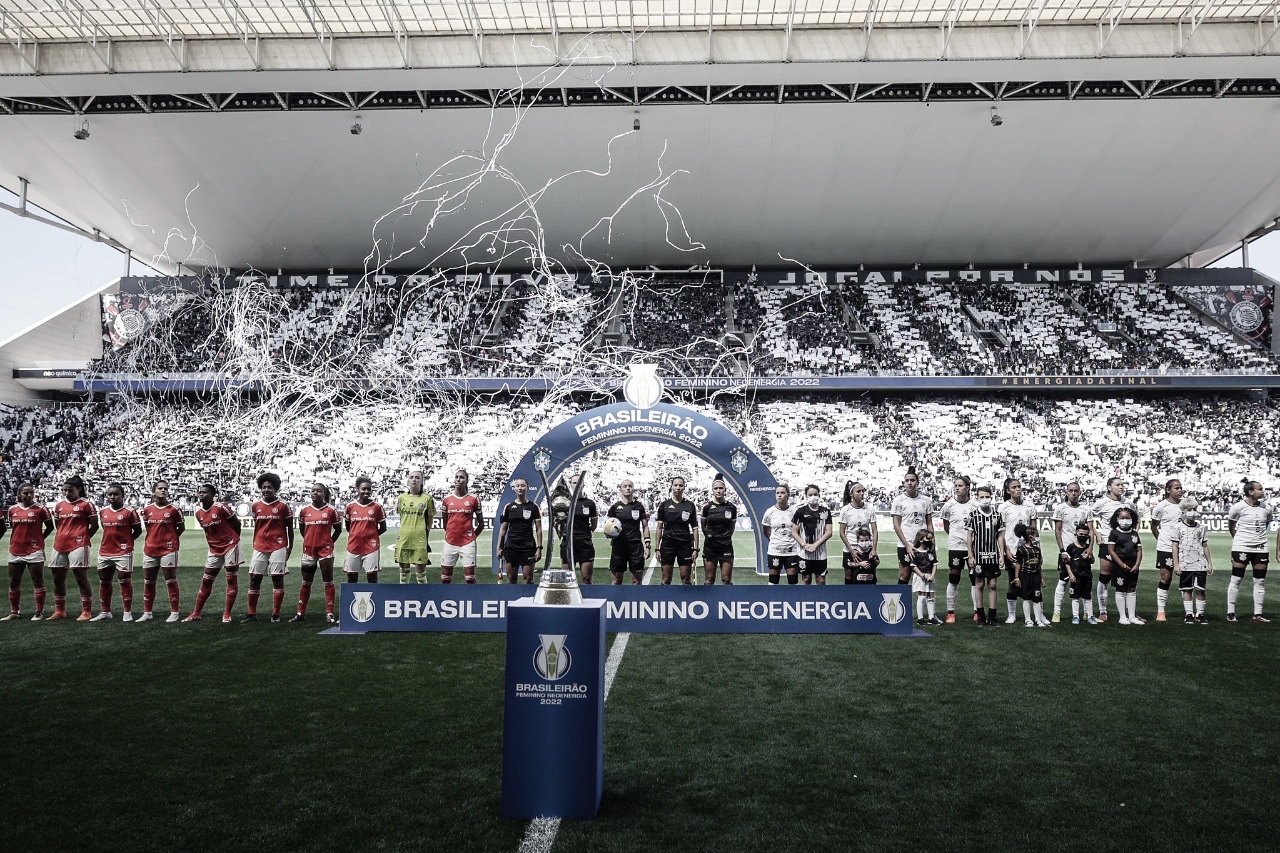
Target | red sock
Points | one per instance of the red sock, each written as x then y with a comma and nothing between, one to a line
253,601
59,603
233,590
330,593
148,595
15,598
277,599
126,592
206,587
40,599
471,578
105,588
86,604
174,594
304,595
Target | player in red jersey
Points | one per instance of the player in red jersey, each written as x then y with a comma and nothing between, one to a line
463,521
222,531
29,525
120,527
77,521
164,524
365,523
272,544
320,526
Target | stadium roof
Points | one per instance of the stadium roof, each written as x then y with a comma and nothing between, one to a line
824,131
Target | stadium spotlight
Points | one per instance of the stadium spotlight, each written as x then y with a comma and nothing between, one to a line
996,119
635,125
356,129
82,129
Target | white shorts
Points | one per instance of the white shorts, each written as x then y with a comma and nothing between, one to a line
167,561
33,557
367,563
274,562
453,553
230,560
919,585
75,559
122,564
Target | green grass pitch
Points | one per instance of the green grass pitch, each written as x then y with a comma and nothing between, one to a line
153,736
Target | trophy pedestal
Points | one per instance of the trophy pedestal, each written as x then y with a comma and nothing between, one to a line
553,720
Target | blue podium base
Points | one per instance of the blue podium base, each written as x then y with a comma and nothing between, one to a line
553,721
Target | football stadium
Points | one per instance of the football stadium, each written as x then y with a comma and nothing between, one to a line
890,377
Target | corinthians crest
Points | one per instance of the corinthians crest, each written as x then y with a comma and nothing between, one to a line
643,388
552,660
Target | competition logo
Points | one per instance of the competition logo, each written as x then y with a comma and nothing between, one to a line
891,609
552,660
738,460
542,459
362,608
643,388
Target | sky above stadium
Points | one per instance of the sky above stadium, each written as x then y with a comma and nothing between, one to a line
47,269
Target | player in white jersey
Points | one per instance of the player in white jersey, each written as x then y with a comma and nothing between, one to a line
855,515
1192,562
1103,509
1163,515
955,521
783,550
1014,510
1066,519
911,513
1248,521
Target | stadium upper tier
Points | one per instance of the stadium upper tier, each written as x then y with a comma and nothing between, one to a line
575,326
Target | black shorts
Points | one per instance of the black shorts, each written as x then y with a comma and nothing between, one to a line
626,555
1104,553
1082,587
1029,587
1164,560
718,550
671,553
813,567
1063,562
584,551
1257,559
1188,581
957,561
1126,581
784,562
518,556
985,571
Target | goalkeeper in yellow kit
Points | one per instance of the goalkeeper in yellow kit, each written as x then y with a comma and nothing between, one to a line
417,511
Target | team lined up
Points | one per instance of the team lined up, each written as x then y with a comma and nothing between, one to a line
984,540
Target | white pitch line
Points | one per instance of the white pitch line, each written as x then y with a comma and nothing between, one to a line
542,831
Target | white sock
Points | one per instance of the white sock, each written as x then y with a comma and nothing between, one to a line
1026,610
920,606
1189,606
1162,599
1013,606
1102,597
1037,607
1199,607
931,605
952,589
1057,596
976,594
1131,599
1233,592
1259,593
1088,608
1075,608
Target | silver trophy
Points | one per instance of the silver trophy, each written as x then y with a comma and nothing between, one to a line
559,586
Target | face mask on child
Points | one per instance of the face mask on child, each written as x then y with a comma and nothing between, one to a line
813,501
1125,523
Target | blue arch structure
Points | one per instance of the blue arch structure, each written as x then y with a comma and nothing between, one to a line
675,426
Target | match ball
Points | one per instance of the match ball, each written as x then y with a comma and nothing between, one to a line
611,527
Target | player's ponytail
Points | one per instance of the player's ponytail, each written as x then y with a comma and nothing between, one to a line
1004,490
848,491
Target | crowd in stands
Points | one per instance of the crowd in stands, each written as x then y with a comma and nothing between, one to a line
527,328
1208,442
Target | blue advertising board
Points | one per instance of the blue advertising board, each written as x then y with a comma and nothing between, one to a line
754,609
